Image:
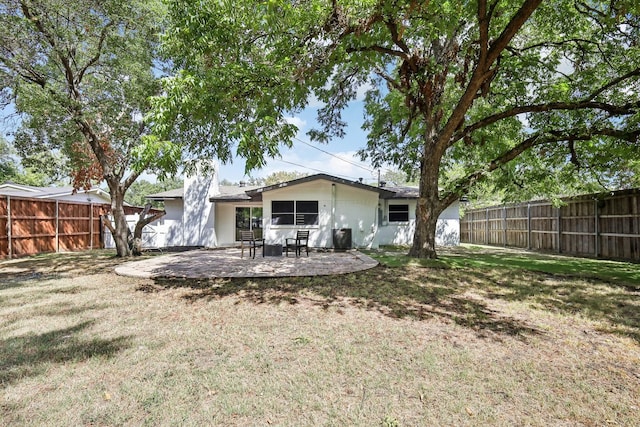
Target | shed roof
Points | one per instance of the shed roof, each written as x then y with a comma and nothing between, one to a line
20,190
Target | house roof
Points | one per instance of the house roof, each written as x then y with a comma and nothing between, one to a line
404,192
383,192
235,193
177,193
227,193
20,190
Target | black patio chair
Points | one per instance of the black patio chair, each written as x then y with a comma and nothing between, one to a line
301,241
247,237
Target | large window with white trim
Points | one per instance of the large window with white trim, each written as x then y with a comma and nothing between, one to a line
290,212
398,213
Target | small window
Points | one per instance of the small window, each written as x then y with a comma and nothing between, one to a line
398,213
307,212
282,212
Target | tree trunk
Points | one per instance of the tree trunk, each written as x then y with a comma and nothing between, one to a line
424,239
429,207
121,235
143,220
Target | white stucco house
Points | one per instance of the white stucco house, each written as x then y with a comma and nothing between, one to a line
204,213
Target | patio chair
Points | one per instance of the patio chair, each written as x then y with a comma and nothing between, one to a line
247,238
301,241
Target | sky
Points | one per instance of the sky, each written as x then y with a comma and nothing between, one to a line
311,157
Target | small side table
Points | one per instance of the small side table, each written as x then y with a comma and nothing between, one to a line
273,250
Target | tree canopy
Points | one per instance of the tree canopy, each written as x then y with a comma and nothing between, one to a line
80,74
529,94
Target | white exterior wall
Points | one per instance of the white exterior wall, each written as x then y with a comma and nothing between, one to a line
358,210
198,218
401,233
226,221
339,206
169,227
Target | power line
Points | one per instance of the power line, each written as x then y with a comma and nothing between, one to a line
316,170
333,155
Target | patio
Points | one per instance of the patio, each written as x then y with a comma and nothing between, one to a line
224,263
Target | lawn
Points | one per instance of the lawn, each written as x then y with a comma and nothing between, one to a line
478,337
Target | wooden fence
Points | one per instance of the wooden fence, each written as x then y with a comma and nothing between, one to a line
596,225
30,226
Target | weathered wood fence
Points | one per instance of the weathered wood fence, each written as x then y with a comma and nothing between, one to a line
30,226
596,225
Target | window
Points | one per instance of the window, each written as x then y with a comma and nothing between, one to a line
398,213
282,212
288,212
307,213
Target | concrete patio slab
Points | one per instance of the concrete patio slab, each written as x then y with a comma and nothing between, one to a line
226,263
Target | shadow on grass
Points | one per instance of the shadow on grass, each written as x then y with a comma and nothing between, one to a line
55,265
29,355
591,298
597,289
395,292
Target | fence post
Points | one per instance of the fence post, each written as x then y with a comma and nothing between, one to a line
57,226
504,226
528,226
486,227
10,247
559,229
597,229
91,226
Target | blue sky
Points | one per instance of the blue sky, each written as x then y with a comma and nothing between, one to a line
304,158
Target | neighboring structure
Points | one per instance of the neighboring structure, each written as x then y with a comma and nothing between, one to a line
203,213
94,195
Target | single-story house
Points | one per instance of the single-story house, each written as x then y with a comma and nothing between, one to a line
204,213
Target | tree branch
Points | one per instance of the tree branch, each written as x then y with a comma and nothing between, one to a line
379,49
535,140
626,109
396,37
613,82
518,20
94,60
482,72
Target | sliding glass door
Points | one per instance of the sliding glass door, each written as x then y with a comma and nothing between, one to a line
249,218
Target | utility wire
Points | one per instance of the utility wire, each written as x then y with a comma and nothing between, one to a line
316,170
333,155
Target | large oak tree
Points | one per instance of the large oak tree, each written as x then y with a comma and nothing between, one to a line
80,74
525,90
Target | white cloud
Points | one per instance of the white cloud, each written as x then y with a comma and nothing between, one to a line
342,164
297,121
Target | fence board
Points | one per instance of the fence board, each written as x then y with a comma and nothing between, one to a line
31,226
596,225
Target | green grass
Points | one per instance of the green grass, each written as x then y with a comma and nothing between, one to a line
494,258
479,337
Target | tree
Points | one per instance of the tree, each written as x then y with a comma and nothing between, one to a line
12,170
80,74
140,189
528,93
8,167
283,176
397,177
